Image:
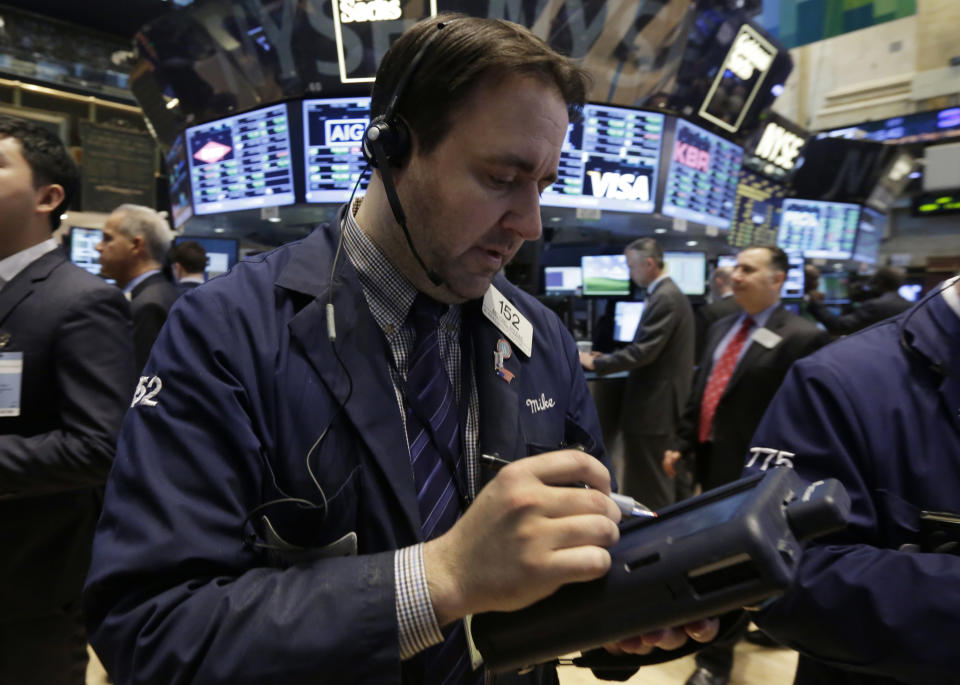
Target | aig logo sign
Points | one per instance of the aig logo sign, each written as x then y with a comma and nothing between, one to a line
620,186
340,131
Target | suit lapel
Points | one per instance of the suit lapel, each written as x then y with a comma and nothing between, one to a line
499,421
756,351
23,284
373,406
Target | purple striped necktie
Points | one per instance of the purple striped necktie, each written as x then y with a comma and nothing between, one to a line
433,432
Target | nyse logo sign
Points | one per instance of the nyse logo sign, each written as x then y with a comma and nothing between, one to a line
620,186
779,146
340,131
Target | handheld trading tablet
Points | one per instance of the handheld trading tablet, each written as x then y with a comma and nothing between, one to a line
731,547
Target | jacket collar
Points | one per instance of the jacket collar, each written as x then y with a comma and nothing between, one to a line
22,285
931,329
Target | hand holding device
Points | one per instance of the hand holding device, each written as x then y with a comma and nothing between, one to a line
522,538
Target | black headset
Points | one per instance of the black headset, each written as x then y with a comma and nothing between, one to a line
386,142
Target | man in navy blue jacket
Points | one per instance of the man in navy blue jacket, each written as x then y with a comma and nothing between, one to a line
262,522
880,411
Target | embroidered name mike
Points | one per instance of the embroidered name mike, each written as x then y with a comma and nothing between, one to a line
540,404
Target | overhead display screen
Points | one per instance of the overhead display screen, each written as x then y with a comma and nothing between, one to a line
178,173
609,161
869,233
756,216
818,229
83,250
703,176
241,162
333,136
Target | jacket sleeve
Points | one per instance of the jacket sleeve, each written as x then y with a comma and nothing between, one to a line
174,595
855,604
93,360
657,325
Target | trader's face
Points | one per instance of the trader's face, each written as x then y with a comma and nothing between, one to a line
643,269
117,251
20,199
475,198
756,285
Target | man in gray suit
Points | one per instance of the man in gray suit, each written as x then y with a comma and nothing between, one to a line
66,378
135,243
660,361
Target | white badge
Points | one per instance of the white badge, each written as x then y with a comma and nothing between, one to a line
766,337
11,377
511,323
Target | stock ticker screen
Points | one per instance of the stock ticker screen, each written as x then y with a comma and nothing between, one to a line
178,174
756,216
333,136
609,161
818,229
241,162
703,176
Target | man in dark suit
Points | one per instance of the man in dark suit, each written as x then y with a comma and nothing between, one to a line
189,261
746,358
886,282
723,304
135,242
660,361
66,376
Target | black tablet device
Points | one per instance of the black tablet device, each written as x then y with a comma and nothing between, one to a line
735,546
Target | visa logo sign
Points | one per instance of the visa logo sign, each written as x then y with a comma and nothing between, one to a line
620,186
339,131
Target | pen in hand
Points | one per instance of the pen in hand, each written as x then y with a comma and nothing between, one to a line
627,505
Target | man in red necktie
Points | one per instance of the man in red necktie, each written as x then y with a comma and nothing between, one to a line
746,358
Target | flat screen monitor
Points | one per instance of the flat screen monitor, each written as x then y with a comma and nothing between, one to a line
688,270
757,212
241,162
727,261
562,280
793,284
82,244
221,252
869,233
835,287
818,229
605,275
626,319
703,176
332,139
178,175
609,161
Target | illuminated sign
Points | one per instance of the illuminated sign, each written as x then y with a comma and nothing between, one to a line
739,79
620,186
374,24
779,146
926,204
345,130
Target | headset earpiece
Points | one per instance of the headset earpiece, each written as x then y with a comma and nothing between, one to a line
392,136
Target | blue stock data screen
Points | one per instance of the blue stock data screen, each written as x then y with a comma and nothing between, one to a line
333,135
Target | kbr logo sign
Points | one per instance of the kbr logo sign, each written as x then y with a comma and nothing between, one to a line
339,131
620,186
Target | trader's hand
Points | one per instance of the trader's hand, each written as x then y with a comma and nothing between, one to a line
670,459
670,638
586,359
524,537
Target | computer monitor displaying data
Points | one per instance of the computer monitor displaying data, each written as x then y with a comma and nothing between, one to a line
818,229
332,140
609,161
687,270
221,252
703,176
605,275
241,162
562,280
626,319
83,242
